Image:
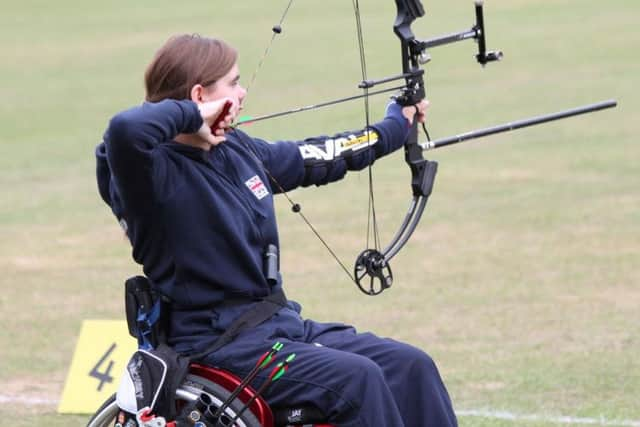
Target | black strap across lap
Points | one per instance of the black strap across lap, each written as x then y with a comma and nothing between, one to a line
258,313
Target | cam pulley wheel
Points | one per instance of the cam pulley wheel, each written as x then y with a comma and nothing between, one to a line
372,273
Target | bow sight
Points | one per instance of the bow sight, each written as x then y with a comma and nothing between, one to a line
414,51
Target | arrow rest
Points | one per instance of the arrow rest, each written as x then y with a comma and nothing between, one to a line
371,263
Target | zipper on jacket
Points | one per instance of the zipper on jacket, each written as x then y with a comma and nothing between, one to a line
240,193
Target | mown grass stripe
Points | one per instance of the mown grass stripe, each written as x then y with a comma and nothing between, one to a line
545,418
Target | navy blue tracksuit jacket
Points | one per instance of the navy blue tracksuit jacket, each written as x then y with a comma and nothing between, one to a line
199,223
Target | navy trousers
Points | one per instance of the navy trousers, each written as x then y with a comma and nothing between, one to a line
356,379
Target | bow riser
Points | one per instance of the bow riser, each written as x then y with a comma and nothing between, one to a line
373,263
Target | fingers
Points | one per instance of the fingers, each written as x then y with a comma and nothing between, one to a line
222,123
416,111
211,111
421,110
214,138
217,117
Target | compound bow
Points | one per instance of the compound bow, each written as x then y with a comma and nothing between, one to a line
372,271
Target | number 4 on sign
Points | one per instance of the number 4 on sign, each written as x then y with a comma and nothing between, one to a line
103,377
102,352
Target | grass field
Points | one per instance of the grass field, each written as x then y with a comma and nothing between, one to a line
522,280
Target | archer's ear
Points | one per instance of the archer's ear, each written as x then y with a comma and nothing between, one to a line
196,93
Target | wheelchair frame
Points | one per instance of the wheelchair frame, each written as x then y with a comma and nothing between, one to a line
218,384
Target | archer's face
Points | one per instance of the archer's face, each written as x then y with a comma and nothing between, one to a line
227,87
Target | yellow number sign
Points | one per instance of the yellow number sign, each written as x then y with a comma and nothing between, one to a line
103,350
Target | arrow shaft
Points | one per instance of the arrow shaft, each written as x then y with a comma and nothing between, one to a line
315,106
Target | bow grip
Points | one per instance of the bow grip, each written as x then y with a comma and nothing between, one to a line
423,171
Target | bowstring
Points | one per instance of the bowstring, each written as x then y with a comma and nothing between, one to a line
295,207
277,29
372,223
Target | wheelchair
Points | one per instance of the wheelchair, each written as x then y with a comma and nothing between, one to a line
206,383
218,385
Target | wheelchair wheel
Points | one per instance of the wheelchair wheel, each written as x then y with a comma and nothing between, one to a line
188,391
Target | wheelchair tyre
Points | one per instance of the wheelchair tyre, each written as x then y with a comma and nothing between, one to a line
188,391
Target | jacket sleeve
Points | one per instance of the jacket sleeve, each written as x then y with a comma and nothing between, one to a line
324,159
131,139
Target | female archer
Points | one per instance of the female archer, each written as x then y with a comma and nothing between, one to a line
196,200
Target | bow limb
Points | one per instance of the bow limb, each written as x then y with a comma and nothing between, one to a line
373,264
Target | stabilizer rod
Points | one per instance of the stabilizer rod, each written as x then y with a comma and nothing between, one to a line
506,127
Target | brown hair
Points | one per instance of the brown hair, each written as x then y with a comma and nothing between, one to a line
184,61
